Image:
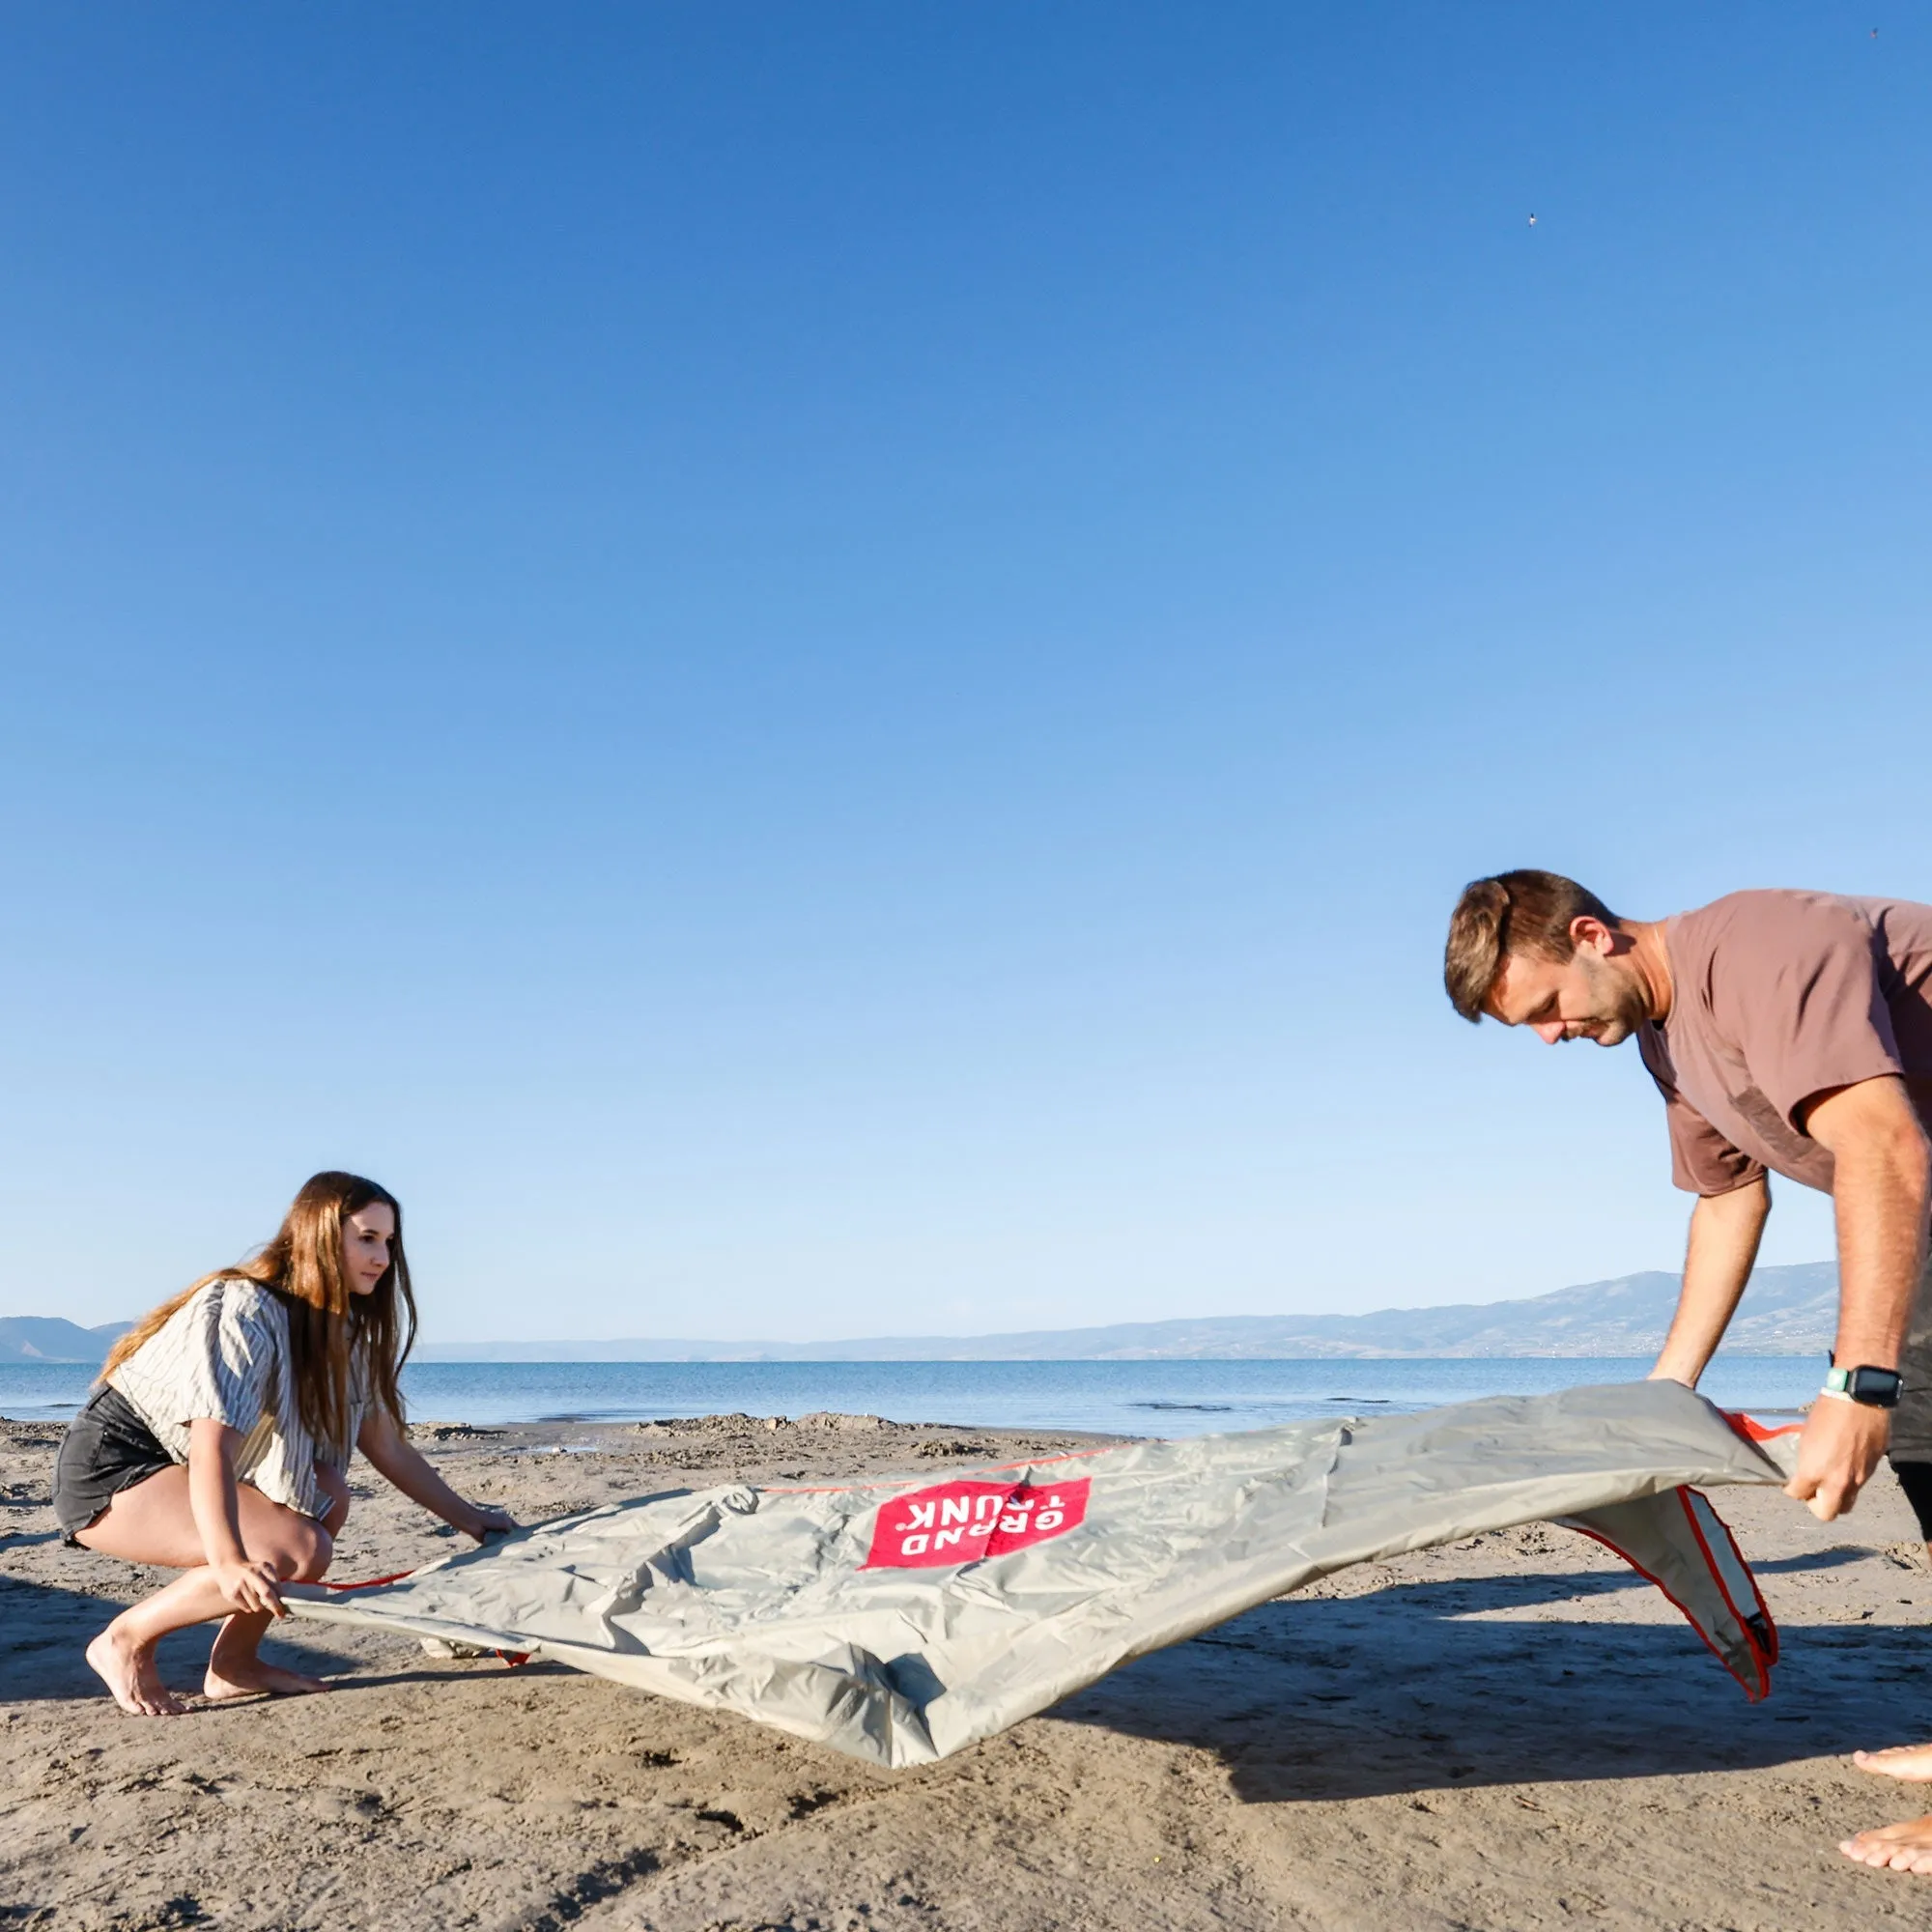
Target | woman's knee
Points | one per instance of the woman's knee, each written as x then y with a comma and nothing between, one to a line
306,1555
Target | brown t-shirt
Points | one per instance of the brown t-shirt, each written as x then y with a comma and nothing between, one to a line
1776,998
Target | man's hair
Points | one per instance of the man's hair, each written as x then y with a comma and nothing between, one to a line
1524,912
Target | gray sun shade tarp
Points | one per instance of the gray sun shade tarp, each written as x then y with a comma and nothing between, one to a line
899,1620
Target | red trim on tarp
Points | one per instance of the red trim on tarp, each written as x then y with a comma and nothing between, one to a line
1753,1430
1695,1518
1755,1692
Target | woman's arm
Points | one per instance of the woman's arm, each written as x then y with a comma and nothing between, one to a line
392,1455
245,1582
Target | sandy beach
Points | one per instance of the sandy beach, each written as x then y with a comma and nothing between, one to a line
1513,1732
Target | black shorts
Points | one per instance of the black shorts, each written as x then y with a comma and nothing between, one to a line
1916,1480
107,1448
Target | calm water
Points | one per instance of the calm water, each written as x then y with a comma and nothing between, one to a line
1119,1397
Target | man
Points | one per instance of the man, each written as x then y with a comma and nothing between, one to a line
1786,1031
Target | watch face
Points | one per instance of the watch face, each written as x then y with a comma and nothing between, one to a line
1877,1386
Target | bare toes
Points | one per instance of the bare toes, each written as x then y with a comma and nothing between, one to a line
1905,1848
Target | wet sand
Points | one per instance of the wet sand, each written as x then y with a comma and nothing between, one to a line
1508,1734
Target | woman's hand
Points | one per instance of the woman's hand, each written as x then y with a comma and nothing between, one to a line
392,1455
485,1520
249,1585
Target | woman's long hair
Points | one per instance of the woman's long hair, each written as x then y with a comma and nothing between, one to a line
327,1323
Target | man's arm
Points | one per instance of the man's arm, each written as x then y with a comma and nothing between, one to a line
1880,1189
1725,1230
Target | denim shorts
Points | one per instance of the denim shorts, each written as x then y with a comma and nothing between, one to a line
107,1448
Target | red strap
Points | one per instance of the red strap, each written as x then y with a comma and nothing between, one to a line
369,1584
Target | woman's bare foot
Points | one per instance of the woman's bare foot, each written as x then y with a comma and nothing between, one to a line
256,1679
1911,1761
128,1671
235,1670
1906,1848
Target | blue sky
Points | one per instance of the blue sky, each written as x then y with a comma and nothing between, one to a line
828,671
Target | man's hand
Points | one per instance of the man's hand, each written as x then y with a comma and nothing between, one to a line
1840,1448
1882,1178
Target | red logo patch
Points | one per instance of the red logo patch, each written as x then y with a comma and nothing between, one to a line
960,1522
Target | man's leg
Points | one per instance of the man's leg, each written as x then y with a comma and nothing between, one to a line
1915,1478
1907,1847
1911,1450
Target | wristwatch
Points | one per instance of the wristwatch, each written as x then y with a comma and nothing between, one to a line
1876,1388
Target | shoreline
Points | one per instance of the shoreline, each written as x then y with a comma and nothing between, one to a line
1166,1398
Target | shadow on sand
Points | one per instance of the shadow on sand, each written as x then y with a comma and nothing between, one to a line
45,1630
1428,1686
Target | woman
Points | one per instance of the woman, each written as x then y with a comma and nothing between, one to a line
218,1440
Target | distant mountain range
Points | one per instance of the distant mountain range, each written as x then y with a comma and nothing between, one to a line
1787,1310
47,1338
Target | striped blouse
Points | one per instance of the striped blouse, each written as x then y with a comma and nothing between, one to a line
222,1356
